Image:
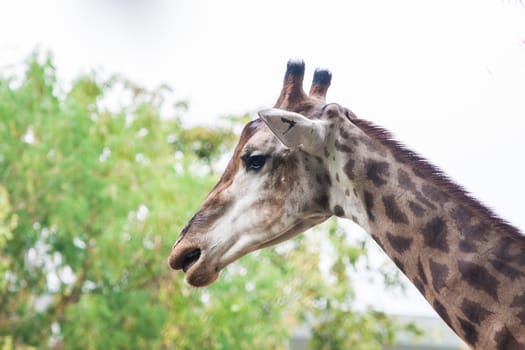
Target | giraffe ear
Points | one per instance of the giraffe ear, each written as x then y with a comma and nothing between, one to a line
294,129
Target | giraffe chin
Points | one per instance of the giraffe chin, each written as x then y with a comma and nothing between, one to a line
199,275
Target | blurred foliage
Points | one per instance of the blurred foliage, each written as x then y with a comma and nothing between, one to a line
8,222
205,142
335,325
93,193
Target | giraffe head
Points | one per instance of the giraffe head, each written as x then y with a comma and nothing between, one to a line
274,187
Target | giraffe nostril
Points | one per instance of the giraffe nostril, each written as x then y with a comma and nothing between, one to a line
191,258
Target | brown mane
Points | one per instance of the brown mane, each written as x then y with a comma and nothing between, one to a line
435,174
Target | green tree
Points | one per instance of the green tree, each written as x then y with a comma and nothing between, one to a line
8,222
98,191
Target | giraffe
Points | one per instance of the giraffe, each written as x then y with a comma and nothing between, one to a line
304,161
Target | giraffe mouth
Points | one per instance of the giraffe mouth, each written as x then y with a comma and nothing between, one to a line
191,260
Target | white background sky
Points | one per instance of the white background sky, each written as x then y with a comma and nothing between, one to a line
446,77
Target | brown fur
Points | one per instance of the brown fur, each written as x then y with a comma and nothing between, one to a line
436,175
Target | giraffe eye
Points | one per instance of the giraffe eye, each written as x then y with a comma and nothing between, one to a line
255,162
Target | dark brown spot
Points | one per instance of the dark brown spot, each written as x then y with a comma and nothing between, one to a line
399,264
469,331
419,173
442,311
521,316
343,133
406,183
349,169
322,201
372,146
283,171
439,273
392,211
326,154
420,198
507,270
343,147
461,215
421,271
369,204
467,247
416,209
474,311
510,252
435,234
477,232
519,302
506,341
398,243
404,180
337,177
347,192
435,194
328,179
419,285
479,278
338,211
375,171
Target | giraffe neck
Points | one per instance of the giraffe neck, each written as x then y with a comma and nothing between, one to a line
467,263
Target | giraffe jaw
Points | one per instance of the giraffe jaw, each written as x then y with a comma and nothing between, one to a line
296,229
202,265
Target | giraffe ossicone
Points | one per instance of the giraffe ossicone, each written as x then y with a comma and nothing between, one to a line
304,160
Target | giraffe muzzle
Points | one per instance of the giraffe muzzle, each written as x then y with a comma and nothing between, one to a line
198,269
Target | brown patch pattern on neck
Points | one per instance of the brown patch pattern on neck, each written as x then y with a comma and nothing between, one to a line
446,189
